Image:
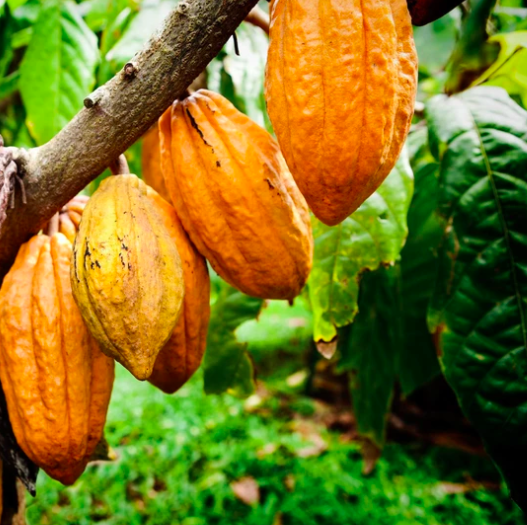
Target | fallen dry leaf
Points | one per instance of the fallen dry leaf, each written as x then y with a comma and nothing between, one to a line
246,489
327,350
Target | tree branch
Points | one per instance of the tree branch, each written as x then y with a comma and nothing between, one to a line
117,114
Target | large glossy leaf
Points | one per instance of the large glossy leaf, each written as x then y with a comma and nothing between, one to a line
227,367
241,78
372,236
57,71
480,299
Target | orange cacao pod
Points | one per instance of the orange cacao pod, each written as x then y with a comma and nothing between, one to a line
151,162
182,354
70,216
340,88
235,197
56,381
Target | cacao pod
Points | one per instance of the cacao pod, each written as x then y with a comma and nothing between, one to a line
151,162
340,87
235,197
56,381
182,354
126,274
70,216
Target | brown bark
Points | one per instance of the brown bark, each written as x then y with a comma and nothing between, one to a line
117,114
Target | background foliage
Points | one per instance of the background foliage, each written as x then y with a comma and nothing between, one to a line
434,262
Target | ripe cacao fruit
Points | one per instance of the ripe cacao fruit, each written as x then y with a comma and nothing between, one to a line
56,381
151,162
340,87
182,354
126,274
70,216
235,197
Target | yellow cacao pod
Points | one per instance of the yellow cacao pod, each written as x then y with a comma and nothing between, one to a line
340,87
235,197
182,354
126,274
56,381
151,162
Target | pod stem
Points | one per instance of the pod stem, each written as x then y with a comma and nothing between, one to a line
119,166
53,225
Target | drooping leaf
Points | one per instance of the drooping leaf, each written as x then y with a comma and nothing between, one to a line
369,349
417,360
510,69
57,71
241,78
479,305
372,236
227,367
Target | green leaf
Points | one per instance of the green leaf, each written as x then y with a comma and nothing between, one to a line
241,78
6,46
480,298
148,20
9,84
227,367
510,69
372,236
417,360
57,71
15,4
370,347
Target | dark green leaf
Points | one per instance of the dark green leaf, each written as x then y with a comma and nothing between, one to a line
9,84
227,367
57,72
417,361
370,350
480,298
6,46
372,236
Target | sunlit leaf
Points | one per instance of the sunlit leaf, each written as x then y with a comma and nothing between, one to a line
510,69
57,72
372,236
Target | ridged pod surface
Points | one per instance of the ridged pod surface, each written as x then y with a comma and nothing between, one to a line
151,162
126,274
70,216
56,381
182,354
235,197
340,87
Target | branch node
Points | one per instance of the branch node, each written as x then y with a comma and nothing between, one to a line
130,71
94,98
183,7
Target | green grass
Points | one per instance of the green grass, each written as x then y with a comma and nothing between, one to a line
177,456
